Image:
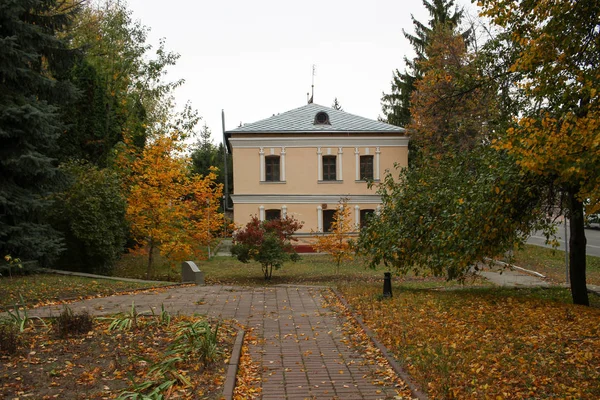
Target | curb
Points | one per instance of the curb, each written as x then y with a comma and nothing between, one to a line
35,303
234,362
414,388
112,278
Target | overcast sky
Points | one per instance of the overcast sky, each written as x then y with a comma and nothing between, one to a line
254,59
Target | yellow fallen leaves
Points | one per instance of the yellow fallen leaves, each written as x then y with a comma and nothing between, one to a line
248,379
470,344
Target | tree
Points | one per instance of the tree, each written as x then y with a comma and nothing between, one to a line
556,59
267,242
32,61
115,46
462,201
90,213
336,105
453,107
170,209
206,155
450,214
90,133
337,242
396,104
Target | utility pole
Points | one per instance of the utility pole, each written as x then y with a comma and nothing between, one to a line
225,173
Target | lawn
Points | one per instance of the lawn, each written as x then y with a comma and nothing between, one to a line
101,363
551,263
310,270
488,343
44,288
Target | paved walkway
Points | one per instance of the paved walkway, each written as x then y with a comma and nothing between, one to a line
301,344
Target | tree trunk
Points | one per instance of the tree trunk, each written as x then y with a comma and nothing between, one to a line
150,259
577,243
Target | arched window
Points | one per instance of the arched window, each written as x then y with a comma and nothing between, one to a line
322,118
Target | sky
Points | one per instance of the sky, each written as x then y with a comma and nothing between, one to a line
254,59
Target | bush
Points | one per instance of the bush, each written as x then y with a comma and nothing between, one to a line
91,215
69,323
9,338
267,242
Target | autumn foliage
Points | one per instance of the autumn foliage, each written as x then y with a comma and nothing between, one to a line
450,109
337,242
472,344
555,48
170,209
267,242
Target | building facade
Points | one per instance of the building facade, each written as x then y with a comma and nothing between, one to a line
300,163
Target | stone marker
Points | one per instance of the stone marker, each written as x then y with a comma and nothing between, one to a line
191,273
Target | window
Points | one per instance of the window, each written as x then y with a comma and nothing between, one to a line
328,220
274,214
272,168
366,168
329,167
322,119
365,216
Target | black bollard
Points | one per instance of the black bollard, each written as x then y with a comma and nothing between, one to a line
387,284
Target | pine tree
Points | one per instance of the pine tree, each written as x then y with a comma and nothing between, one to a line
396,104
31,59
336,105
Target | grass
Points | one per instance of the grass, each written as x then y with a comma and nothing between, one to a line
551,263
310,270
44,288
488,343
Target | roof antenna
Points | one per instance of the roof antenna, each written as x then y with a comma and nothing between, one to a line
312,96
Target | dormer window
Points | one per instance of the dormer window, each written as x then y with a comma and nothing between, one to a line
322,118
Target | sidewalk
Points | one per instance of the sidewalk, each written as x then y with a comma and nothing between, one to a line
301,344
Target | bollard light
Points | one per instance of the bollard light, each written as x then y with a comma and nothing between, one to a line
387,284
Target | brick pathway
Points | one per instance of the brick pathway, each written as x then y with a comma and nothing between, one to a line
301,346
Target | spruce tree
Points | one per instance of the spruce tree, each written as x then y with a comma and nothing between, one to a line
396,104
32,60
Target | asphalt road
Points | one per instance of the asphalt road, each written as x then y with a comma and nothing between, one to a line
592,236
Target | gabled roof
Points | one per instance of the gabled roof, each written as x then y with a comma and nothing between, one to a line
302,120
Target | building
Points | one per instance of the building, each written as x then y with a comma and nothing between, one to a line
301,162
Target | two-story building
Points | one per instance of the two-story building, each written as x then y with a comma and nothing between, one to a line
301,162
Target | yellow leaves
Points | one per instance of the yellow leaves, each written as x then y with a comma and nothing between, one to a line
336,241
495,346
167,207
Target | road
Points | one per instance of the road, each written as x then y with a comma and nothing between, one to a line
592,236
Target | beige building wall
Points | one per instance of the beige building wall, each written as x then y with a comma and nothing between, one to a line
301,171
308,214
301,192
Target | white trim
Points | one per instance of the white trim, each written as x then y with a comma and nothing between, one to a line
261,152
357,163
282,164
312,142
339,175
376,166
356,216
319,219
261,213
303,199
320,164
283,211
